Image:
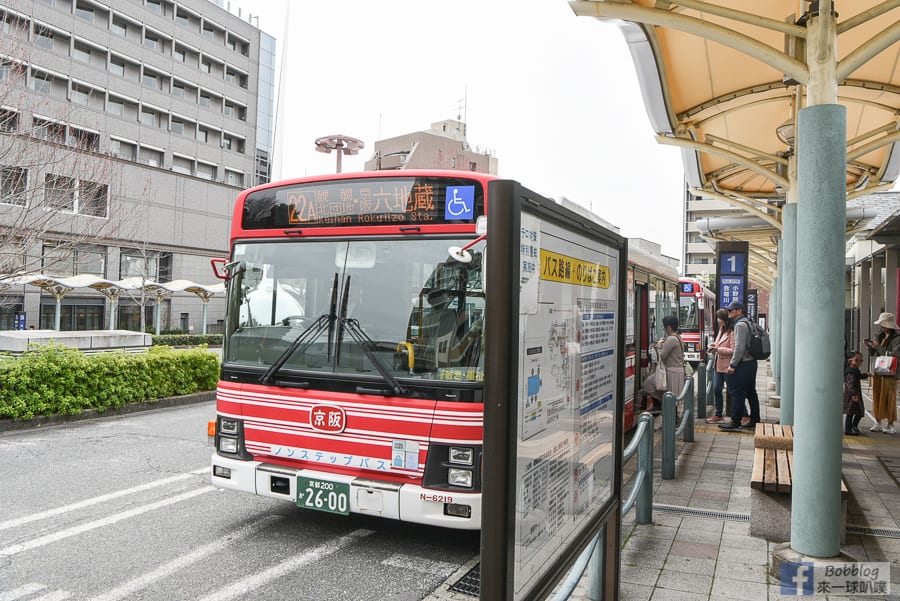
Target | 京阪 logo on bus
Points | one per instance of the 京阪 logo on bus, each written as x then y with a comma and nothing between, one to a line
328,418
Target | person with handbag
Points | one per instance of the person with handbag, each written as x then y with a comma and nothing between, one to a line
884,385
723,347
671,357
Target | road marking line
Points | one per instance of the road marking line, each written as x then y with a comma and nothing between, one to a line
417,564
22,591
54,596
179,563
109,520
250,583
102,498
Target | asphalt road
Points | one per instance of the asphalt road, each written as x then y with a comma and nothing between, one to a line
121,508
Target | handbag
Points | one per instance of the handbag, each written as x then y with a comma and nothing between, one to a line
885,365
660,383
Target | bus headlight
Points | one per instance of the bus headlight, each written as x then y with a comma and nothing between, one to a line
228,426
462,455
228,445
459,477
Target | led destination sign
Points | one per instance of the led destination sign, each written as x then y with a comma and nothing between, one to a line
360,202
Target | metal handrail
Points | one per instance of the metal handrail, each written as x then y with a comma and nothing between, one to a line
670,432
640,497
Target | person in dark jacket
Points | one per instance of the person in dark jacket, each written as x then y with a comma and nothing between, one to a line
853,404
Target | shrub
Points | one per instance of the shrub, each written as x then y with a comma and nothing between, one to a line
54,379
188,339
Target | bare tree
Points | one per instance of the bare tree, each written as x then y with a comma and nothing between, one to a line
58,191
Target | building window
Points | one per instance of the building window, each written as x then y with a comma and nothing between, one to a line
177,126
234,178
178,54
41,82
93,199
117,66
81,53
49,130
85,12
85,140
43,37
155,6
149,117
205,65
202,134
151,156
151,265
182,165
206,170
119,26
178,90
12,185
9,120
59,192
204,100
152,80
124,149
114,106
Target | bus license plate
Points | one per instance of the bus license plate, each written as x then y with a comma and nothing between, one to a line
323,495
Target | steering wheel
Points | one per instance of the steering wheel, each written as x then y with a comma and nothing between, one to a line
295,320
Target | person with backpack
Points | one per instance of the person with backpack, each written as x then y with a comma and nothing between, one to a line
741,373
884,386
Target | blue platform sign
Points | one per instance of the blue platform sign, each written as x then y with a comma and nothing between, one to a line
732,263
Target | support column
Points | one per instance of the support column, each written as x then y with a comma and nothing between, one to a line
788,279
775,309
890,281
821,223
864,302
878,304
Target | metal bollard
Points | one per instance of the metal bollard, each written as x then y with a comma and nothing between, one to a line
644,503
689,411
701,386
668,436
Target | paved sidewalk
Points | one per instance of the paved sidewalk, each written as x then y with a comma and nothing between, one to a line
699,546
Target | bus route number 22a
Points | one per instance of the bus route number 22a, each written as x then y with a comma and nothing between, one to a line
323,495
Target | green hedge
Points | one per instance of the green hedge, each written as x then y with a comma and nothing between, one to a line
54,379
187,340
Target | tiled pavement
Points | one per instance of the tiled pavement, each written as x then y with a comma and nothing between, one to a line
688,554
699,546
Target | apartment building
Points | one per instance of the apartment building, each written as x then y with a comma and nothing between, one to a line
443,146
127,128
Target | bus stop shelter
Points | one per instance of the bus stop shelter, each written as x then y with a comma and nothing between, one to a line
785,109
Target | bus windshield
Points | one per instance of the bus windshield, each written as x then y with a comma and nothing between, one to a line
402,306
688,316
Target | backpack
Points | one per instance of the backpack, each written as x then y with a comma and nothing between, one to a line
758,345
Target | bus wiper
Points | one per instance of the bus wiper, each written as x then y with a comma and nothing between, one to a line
356,332
352,327
306,337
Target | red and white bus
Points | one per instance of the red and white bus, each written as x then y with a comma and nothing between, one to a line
352,368
696,318
652,292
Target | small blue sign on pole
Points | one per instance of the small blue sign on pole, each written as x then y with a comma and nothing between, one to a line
732,260
19,321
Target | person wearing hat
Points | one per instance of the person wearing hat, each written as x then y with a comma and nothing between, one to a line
884,388
741,373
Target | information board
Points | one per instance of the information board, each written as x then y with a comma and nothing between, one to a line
568,323
564,383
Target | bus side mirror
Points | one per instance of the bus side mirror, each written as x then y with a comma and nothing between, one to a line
218,267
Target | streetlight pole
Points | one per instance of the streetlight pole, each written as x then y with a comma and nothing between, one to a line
343,144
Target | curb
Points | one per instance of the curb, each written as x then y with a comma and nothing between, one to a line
9,425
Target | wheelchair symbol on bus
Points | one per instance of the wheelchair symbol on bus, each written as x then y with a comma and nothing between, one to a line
460,203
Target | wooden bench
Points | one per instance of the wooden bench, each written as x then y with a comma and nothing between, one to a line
771,483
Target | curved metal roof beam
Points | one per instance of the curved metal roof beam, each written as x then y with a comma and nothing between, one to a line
867,15
870,85
734,95
758,154
710,31
856,59
869,190
724,112
742,202
873,145
742,17
727,154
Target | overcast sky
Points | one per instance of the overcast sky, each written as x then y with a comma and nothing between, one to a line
552,95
